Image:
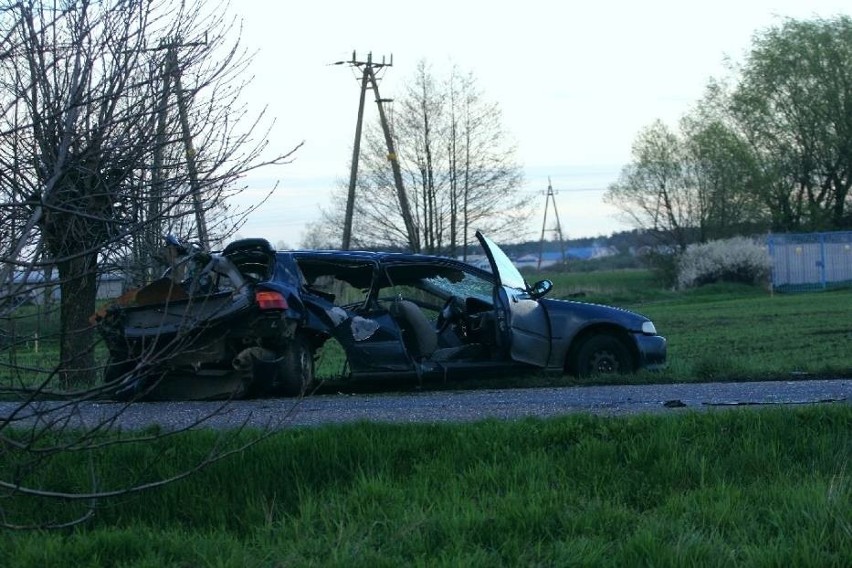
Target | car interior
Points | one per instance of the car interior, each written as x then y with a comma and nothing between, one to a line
443,312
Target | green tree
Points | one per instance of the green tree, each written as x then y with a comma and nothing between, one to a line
793,103
773,149
722,169
698,184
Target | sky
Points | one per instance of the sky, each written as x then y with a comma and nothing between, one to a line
575,81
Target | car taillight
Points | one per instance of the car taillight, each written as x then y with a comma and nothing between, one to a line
268,300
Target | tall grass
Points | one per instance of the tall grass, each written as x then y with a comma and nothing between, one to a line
747,487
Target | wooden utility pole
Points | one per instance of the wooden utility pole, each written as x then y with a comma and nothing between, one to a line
550,197
356,155
368,78
191,166
154,229
172,84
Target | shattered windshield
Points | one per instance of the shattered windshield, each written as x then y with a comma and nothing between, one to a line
467,286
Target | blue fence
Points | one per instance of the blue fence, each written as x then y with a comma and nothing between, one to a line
812,261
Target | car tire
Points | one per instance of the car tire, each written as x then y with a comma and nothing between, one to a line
603,354
295,368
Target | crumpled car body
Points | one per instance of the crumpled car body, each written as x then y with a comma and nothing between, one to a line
251,320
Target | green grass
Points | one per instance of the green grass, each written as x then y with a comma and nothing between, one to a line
608,287
737,333
748,487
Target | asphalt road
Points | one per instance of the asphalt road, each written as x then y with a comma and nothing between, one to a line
433,406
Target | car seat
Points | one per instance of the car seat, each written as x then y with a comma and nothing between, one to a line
418,335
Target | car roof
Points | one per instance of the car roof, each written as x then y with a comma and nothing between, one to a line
384,258
373,256
357,267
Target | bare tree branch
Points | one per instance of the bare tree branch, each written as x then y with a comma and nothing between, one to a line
94,169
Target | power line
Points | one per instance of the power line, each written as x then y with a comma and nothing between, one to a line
570,190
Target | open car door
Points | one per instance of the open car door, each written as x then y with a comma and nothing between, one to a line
521,320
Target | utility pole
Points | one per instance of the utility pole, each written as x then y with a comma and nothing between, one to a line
356,154
550,197
172,84
191,166
368,79
154,230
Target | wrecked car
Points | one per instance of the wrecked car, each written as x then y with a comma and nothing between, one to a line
249,321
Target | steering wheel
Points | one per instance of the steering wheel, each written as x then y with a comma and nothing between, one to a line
453,310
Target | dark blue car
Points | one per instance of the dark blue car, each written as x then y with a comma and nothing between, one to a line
249,320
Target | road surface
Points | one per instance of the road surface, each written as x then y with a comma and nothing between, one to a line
433,406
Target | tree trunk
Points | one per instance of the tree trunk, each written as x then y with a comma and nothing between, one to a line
78,280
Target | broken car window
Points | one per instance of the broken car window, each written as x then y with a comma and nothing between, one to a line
470,285
343,284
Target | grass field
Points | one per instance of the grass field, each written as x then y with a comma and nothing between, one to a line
747,487
747,337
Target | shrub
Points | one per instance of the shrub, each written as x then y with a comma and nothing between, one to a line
738,259
664,264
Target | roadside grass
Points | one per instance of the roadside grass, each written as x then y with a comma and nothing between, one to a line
745,487
606,287
737,333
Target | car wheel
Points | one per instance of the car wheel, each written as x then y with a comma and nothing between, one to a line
295,367
603,355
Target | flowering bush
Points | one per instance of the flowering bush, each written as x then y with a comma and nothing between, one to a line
731,260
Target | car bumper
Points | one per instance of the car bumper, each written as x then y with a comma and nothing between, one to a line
652,351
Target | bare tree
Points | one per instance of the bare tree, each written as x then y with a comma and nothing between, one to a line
483,172
119,120
458,166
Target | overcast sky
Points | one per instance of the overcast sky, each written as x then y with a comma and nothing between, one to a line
575,81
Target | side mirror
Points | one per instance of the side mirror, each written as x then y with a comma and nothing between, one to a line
541,288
